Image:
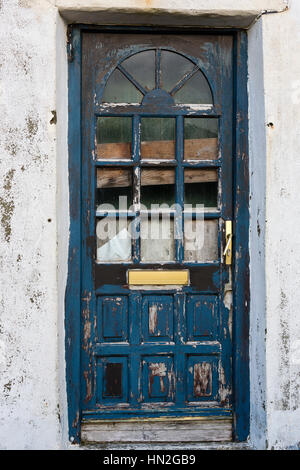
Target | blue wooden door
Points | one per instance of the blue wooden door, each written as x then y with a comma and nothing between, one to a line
156,193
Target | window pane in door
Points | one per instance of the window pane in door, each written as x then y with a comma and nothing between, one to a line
114,138
142,68
113,239
201,187
157,186
112,184
173,68
157,239
158,138
200,240
201,138
120,90
196,90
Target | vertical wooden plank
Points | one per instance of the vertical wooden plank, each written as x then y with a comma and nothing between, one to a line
72,297
88,230
241,294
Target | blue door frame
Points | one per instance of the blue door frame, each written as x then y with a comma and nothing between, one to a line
74,293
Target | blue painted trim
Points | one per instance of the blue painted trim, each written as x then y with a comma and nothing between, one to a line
72,296
114,162
114,349
168,412
241,286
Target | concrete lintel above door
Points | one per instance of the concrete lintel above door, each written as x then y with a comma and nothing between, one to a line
220,14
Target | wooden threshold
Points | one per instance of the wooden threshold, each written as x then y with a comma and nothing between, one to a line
168,430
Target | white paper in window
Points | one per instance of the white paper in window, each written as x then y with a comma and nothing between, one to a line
118,248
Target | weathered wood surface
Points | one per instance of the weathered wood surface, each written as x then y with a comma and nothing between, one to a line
184,430
114,151
116,178
201,149
113,178
164,149
200,175
198,149
153,177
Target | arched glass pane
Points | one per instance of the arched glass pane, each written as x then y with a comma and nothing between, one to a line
195,91
120,90
142,67
173,68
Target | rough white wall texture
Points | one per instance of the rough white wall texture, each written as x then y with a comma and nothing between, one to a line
281,36
34,216
257,169
29,400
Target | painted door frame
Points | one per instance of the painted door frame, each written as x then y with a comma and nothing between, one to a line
241,292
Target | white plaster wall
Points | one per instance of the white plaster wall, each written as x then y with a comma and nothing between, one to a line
62,209
34,214
281,36
257,169
29,383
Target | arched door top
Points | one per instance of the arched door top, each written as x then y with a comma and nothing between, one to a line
155,76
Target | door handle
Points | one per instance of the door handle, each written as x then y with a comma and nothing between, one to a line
228,248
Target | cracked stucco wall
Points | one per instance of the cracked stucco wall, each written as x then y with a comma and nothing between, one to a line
281,34
34,216
274,98
29,399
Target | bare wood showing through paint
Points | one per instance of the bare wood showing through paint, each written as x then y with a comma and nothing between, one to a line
199,149
202,379
152,319
117,178
196,430
113,178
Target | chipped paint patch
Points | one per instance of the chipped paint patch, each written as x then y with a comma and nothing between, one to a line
7,205
157,370
202,379
152,319
224,388
87,328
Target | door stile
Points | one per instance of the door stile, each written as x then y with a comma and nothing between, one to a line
241,285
